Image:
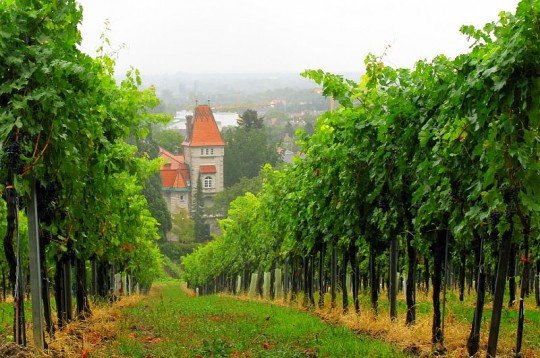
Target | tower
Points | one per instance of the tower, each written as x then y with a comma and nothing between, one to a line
204,149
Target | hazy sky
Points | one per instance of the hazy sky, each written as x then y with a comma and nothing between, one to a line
238,36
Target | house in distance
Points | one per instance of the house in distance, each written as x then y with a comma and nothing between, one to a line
203,157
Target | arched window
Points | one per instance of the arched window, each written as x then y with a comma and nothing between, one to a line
208,182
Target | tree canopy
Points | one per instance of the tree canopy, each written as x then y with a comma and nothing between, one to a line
250,120
247,149
170,139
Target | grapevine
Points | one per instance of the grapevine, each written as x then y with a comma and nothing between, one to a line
415,154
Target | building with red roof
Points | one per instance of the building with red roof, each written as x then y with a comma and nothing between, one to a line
204,149
176,181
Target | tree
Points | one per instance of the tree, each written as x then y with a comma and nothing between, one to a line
309,128
223,199
157,205
201,227
290,130
148,148
250,120
246,151
183,226
169,139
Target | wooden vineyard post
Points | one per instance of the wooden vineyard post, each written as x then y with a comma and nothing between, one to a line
333,275
393,279
502,269
35,268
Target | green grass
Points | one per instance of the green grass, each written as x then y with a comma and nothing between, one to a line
6,319
169,323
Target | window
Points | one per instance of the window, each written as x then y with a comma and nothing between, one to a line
207,151
181,198
208,182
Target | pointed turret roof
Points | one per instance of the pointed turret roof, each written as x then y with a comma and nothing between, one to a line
203,130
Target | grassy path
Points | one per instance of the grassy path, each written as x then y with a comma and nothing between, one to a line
170,323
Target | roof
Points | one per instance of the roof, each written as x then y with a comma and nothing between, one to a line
207,169
173,179
175,172
204,131
173,160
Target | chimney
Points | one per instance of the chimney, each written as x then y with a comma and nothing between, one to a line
189,127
